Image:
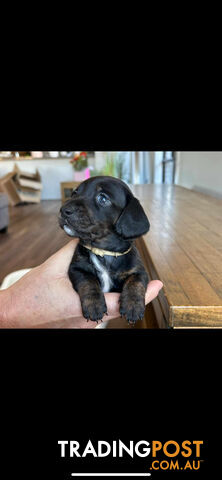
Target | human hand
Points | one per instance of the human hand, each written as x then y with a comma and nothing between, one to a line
45,298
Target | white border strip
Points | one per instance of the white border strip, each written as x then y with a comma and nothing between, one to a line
111,474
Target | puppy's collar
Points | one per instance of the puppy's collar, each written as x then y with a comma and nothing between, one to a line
101,252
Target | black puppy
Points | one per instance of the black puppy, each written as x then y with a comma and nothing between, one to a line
105,215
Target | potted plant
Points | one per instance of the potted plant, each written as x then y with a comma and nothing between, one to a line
80,166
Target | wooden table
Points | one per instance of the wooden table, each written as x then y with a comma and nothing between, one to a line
184,250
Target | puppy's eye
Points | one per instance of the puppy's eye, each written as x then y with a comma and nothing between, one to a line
74,192
103,200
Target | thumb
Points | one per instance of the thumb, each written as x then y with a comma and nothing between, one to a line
61,260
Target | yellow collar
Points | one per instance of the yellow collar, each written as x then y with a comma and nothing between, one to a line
101,253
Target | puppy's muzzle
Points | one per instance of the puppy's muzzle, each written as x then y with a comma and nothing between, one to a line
67,211
66,219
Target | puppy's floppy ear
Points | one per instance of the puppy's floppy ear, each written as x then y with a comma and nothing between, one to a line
133,221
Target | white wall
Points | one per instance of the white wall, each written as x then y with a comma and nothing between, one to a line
201,171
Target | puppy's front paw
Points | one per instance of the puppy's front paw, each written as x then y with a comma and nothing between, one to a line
94,308
133,309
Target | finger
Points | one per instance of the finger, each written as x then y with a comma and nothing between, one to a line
112,302
152,291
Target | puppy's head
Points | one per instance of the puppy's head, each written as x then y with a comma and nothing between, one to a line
103,206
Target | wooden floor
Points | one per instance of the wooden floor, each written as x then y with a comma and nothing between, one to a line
33,235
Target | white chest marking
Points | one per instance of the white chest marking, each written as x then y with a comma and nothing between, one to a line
103,274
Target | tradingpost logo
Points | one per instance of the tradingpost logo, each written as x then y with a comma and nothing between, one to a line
169,455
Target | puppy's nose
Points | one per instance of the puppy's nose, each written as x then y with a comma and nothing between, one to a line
66,211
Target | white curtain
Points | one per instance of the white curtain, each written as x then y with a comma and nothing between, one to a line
141,167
